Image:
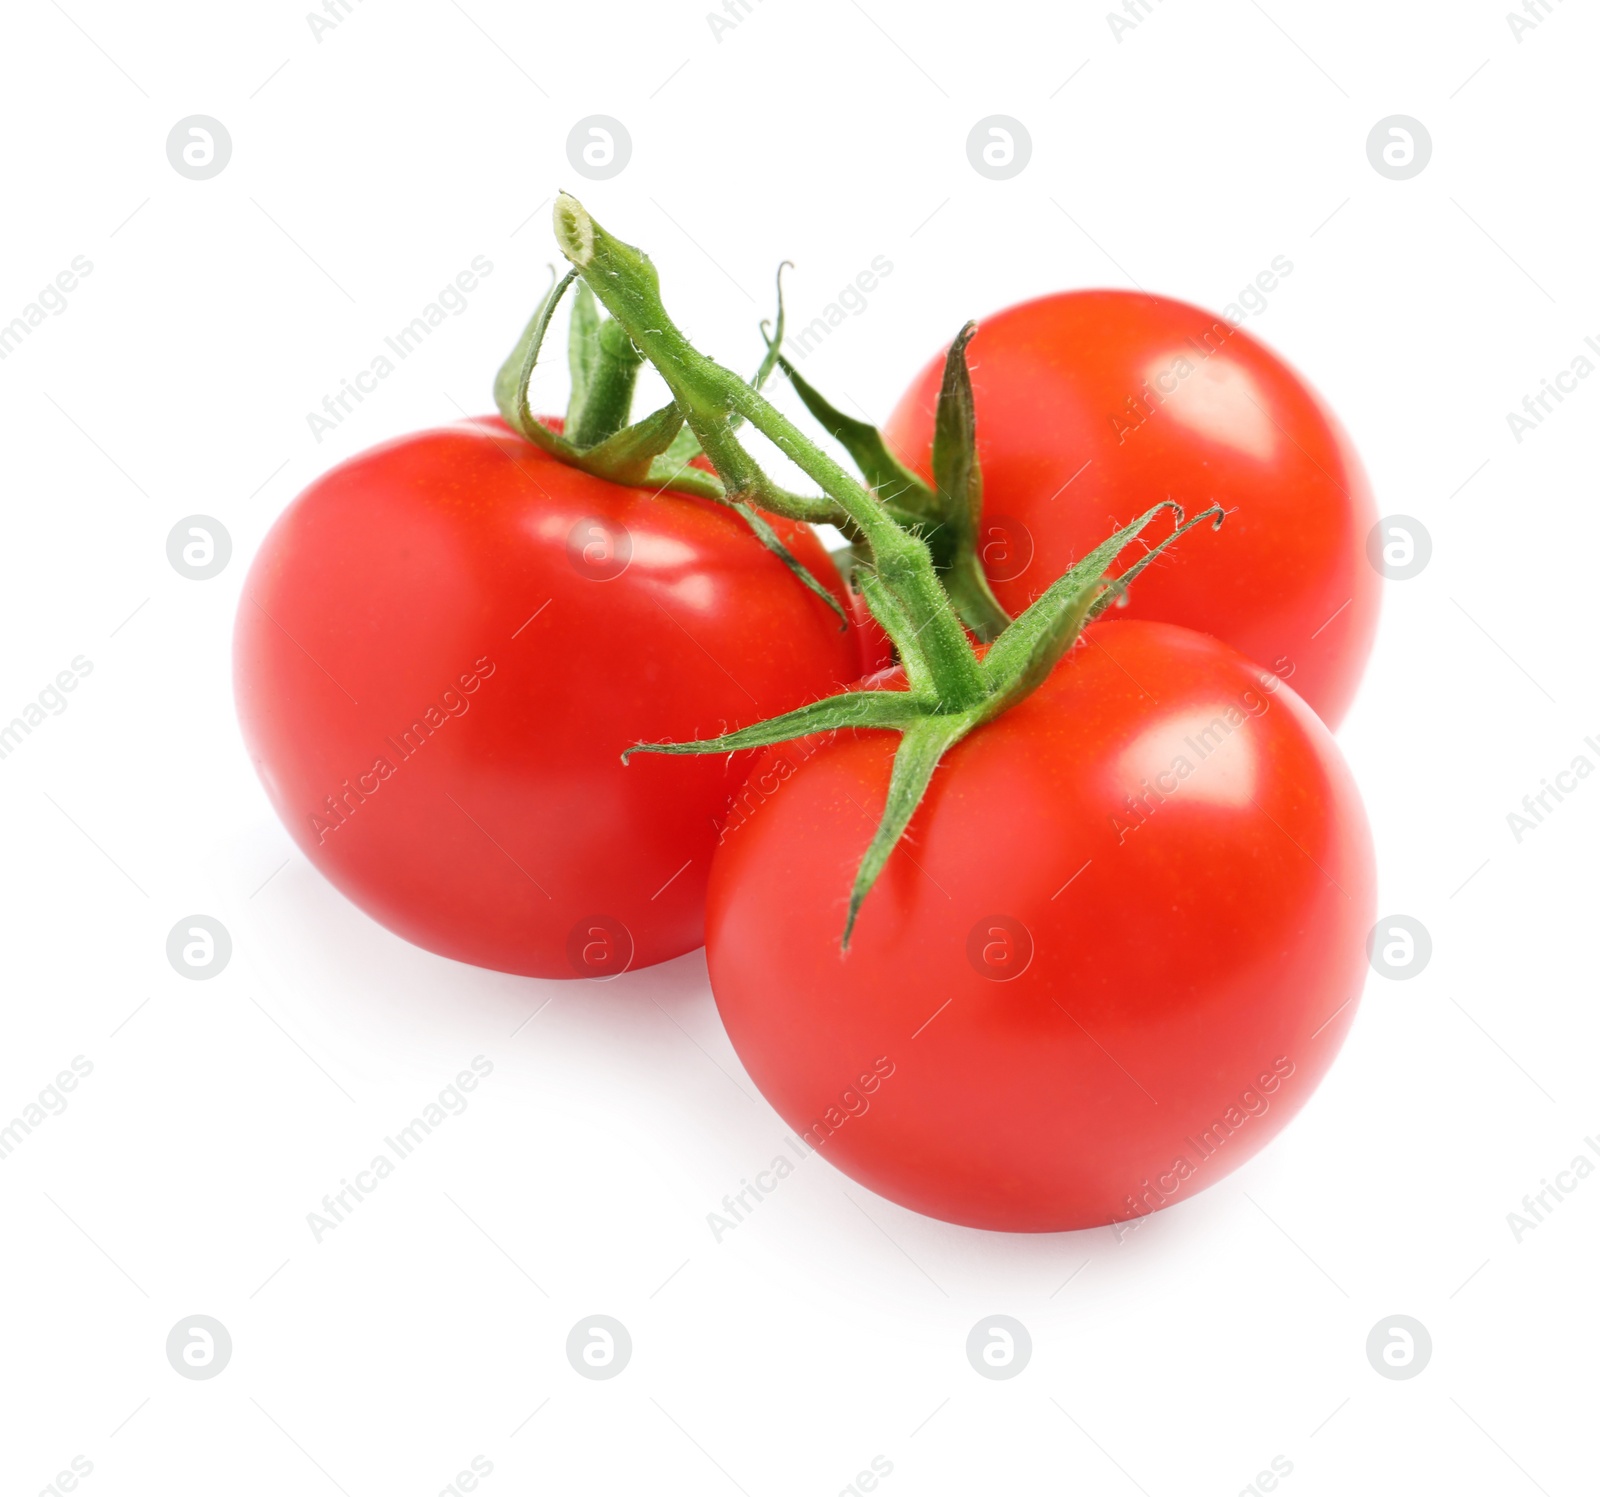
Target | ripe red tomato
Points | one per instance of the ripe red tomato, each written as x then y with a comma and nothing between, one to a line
443,648
1092,402
1118,948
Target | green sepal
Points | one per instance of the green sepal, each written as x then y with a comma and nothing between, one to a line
772,335
1028,651
957,479
1015,665
849,709
1117,587
629,456
511,382
886,475
958,486
774,543
923,744
1020,660
620,451
652,453
945,516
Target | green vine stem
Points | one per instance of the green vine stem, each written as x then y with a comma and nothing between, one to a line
604,366
950,689
1015,666
711,398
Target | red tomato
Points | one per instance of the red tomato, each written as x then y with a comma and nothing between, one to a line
443,648
1118,948
1091,404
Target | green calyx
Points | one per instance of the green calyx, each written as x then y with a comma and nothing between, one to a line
950,688
715,401
601,385
658,452
927,718
596,437
946,514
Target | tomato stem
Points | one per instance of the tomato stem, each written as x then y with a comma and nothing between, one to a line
950,689
710,397
654,453
605,367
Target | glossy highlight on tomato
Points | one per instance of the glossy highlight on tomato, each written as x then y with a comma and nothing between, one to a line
444,646
1092,403
1119,946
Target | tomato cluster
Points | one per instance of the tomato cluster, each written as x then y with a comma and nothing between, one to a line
1112,877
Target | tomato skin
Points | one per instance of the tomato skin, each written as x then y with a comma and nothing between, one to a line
430,604
1161,970
1065,460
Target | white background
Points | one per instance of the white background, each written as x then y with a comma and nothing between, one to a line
368,168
